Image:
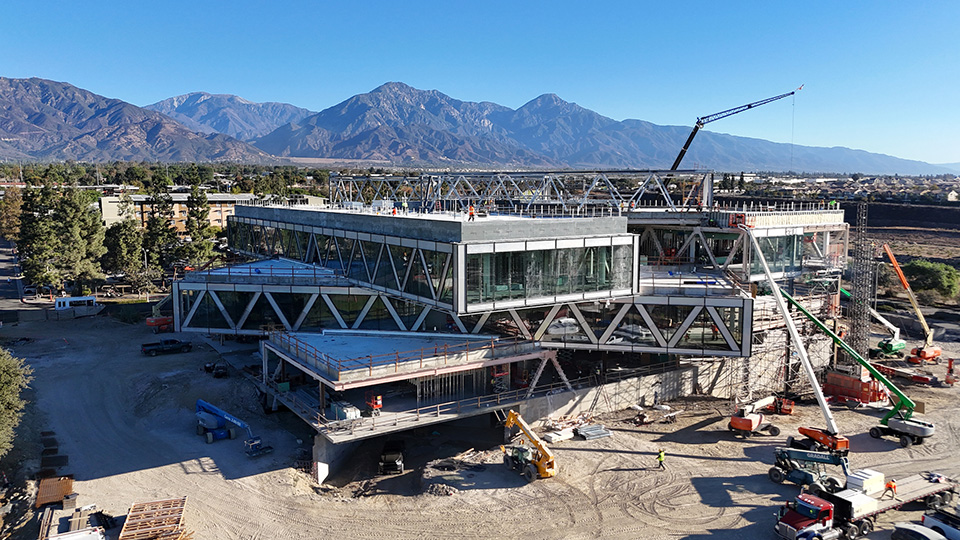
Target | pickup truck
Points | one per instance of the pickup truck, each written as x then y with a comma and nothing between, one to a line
943,520
391,459
165,346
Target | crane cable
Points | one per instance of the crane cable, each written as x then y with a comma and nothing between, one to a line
793,122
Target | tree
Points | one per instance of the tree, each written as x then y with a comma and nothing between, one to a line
136,176
14,377
124,243
160,238
199,248
81,238
39,243
10,208
939,277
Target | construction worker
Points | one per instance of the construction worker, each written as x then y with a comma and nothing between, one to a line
660,457
471,213
891,487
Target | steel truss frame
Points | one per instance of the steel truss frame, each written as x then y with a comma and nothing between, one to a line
572,191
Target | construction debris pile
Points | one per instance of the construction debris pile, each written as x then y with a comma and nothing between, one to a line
441,475
582,425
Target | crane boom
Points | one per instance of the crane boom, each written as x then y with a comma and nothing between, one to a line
792,330
213,409
904,402
894,330
928,335
514,419
704,120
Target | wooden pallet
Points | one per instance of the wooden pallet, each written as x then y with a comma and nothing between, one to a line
155,520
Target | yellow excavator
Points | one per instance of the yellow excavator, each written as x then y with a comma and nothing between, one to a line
533,463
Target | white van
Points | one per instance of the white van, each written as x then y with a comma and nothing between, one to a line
70,302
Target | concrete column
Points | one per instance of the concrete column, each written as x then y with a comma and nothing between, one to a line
328,456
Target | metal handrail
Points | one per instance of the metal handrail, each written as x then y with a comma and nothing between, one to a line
393,419
308,352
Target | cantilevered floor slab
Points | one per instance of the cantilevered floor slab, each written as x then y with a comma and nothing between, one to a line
351,359
343,431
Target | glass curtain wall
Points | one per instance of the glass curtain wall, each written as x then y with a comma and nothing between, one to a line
782,253
532,274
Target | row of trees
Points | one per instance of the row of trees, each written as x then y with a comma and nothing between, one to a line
60,236
62,241
261,179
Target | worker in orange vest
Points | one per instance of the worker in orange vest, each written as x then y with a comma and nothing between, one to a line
891,487
471,213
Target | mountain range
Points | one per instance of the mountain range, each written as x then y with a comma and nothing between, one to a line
395,123
53,121
230,115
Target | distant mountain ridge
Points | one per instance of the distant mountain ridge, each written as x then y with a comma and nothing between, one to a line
404,125
394,123
48,120
228,114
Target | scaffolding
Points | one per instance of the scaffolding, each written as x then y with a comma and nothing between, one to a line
774,366
863,284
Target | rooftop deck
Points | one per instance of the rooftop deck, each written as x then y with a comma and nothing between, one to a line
269,272
351,359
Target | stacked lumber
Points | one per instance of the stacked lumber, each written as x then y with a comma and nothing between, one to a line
571,421
156,520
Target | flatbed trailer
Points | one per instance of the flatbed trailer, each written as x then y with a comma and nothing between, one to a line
850,514
910,489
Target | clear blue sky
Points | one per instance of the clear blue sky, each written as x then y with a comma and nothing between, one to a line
882,76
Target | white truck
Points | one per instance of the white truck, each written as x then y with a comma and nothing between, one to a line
944,521
850,513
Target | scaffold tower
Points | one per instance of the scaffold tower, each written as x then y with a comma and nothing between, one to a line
863,292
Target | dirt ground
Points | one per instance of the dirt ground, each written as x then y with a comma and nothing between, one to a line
127,424
938,245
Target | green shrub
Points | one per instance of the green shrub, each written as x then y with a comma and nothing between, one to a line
926,275
929,297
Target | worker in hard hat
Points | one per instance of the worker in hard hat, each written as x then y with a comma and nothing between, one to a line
891,488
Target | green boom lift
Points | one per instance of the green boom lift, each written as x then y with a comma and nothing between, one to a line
891,347
899,422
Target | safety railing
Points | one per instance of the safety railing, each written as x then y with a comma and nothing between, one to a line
412,416
304,274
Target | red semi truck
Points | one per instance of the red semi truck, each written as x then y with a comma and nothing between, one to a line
850,514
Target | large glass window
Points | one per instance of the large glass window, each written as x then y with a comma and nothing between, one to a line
780,252
532,274
208,315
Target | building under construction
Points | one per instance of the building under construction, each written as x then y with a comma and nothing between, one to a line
410,301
